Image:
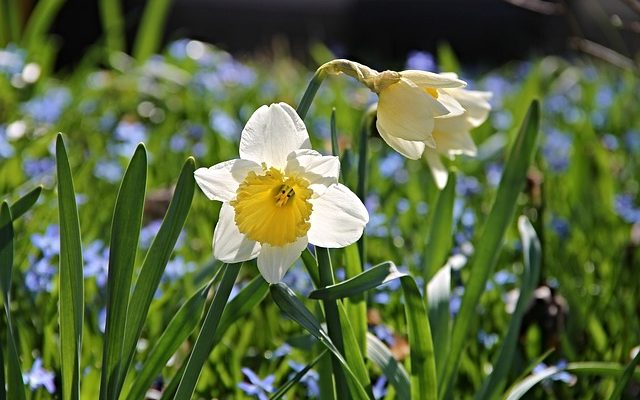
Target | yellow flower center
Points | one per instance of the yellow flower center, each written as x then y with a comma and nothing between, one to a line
433,92
273,208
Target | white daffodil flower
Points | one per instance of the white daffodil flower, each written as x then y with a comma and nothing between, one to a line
452,134
408,109
409,103
279,196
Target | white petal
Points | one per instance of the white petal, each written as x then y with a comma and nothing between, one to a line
409,149
220,182
475,102
406,111
452,105
321,171
271,134
229,245
438,171
274,261
338,218
432,80
453,138
450,75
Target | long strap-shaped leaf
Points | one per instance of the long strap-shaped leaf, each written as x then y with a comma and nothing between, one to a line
397,376
112,25
487,250
24,203
356,306
149,34
424,383
244,302
287,386
125,229
3,389
496,381
15,386
438,244
39,22
369,279
423,368
206,338
6,251
156,260
352,351
179,328
287,301
626,377
519,389
71,278
439,295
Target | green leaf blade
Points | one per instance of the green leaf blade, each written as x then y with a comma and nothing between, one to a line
39,22
6,250
178,330
125,229
397,376
356,306
24,204
244,302
156,261
149,34
15,386
438,244
288,303
352,352
532,255
206,338
487,251
424,382
439,295
369,279
625,378
290,383
71,277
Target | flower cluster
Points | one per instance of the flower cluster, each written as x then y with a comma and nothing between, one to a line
281,195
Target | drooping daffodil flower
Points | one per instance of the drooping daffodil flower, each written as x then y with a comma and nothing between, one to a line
452,134
409,102
279,196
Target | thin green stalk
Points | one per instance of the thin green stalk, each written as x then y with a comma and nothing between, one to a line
310,93
335,148
363,155
333,319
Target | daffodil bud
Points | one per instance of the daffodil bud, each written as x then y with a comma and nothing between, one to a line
374,80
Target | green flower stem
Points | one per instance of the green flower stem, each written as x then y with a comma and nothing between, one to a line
310,93
363,158
333,319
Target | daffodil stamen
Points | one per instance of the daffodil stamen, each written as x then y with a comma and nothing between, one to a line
283,195
273,208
